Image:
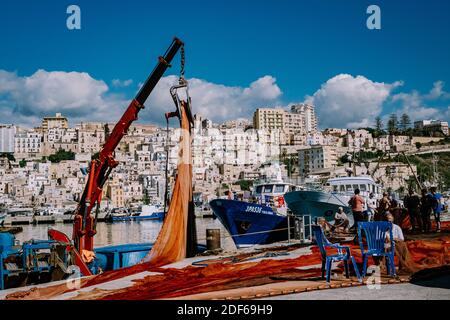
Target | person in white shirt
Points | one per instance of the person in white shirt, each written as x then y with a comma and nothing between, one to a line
371,207
406,262
397,232
341,220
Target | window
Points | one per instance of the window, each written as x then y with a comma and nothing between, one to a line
363,187
258,189
279,188
268,188
348,187
335,188
355,186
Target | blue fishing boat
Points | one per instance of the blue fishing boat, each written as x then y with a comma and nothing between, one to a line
125,255
261,220
249,223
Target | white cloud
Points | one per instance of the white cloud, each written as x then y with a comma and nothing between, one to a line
216,102
121,84
349,102
25,100
416,105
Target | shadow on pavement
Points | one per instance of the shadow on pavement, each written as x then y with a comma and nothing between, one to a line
433,277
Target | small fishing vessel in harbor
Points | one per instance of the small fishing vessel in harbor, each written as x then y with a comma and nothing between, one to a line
262,221
144,212
336,193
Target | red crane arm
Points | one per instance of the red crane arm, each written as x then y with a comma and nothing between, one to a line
84,222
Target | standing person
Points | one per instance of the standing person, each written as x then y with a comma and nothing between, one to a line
412,203
357,204
371,207
383,207
426,207
437,207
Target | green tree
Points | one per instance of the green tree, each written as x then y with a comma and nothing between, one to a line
392,125
405,122
146,198
244,184
22,163
61,155
378,126
418,145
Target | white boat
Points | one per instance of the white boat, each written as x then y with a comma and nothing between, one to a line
119,214
149,212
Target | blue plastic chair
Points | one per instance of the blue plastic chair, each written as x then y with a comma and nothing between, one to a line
375,233
323,243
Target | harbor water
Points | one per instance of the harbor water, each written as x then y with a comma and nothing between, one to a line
127,232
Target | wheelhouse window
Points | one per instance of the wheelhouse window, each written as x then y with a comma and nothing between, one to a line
259,189
279,188
348,187
335,188
363,187
268,188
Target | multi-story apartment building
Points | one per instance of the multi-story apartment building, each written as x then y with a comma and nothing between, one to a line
7,133
58,121
308,116
316,157
301,120
91,137
268,118
28,144
432,126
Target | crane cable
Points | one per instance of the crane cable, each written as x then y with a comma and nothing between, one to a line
167,116
166,192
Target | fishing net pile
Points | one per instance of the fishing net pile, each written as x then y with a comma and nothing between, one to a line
239,271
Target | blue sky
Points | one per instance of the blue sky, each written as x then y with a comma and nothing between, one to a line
288,50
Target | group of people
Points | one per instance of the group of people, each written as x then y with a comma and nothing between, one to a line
419,209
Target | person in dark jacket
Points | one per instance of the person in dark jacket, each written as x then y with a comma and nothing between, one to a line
426,209
412,203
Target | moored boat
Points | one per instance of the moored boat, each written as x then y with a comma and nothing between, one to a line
261,221
336,193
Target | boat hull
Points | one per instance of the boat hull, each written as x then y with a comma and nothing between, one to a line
250,224
157,216
316,204
125,255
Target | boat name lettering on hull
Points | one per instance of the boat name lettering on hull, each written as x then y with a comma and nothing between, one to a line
253,209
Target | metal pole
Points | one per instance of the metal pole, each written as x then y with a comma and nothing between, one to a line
289,227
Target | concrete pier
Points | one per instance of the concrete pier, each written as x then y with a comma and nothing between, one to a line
44,219
9,220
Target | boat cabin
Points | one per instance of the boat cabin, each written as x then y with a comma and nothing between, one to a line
348,185
273,189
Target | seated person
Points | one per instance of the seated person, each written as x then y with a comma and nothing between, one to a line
341,220
397,232
325,225
401,249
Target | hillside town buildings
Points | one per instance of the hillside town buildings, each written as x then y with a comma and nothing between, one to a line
222,155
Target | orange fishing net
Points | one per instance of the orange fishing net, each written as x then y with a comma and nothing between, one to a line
170,246
223,274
